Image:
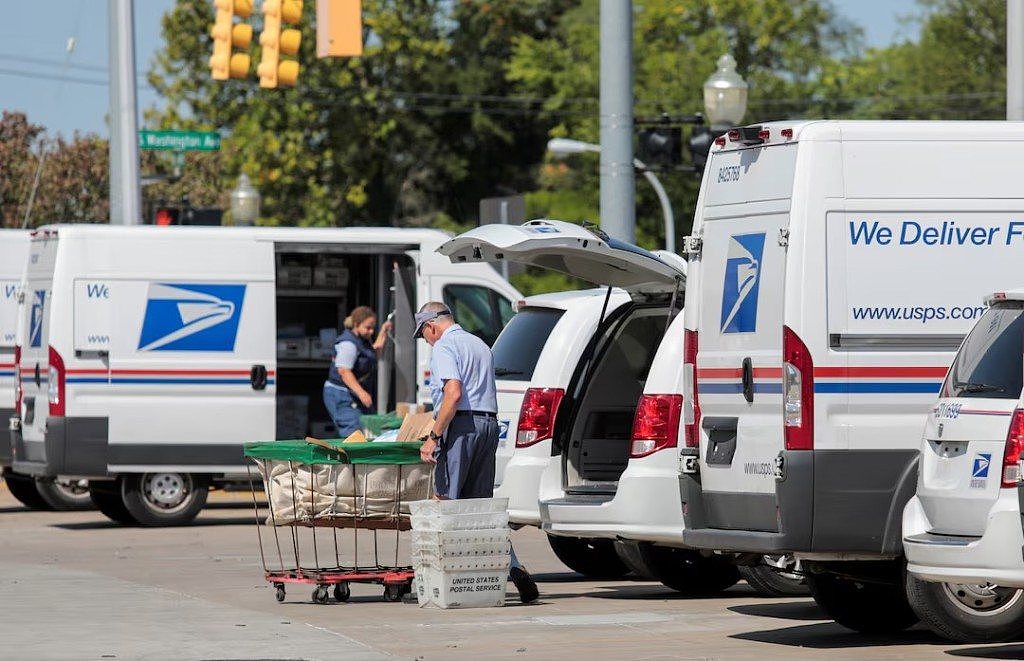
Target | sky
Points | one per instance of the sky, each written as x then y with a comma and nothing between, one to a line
66,90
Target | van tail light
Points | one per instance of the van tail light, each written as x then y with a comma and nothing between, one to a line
797,392
537,415
691,403
656,424
1014,449
17,381
55,388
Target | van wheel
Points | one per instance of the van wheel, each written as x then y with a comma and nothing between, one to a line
164,499
106,496
968,613
594,558
65,495
687,571
633,557
24,490
770,579
866,607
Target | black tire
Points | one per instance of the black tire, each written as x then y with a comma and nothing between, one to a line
319,595
164,499
342,592
631,555
968,613
867,607
770,582
689,572
24,490
106,496
64,496
279,593
594,558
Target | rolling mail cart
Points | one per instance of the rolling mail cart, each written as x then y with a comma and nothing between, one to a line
323,499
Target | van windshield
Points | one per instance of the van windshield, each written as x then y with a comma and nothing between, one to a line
990,364
518,347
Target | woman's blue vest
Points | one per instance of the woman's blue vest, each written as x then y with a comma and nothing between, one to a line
365,368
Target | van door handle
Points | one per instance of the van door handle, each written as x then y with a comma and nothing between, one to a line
258,377
748,380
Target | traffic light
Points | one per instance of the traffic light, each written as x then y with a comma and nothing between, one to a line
164,215
700,146
661,146
274,71
339,28
226,35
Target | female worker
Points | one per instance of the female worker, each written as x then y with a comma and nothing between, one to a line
352,377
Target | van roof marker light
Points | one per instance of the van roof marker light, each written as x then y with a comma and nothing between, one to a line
764,135
720,141
786,133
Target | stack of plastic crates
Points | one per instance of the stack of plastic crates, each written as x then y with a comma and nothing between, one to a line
460,551
327,505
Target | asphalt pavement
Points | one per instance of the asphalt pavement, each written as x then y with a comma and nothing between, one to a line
74,585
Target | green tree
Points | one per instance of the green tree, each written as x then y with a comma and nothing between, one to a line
956,69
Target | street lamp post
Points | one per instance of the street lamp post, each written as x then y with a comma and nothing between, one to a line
565,146
245,202
725,95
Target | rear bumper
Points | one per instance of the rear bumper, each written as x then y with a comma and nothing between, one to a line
829,502
644,507
521,483
994,556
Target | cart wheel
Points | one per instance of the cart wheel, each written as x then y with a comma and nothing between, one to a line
279,591
392,593
320,594
342,592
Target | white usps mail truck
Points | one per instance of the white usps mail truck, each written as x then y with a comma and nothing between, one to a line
835,266
13,255
149,355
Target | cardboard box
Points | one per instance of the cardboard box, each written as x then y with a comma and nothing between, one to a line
330,277
403,409
294,276
293,347
415,426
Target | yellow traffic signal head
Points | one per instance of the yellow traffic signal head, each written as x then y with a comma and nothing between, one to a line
227,34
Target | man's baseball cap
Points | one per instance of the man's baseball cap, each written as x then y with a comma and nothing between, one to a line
423,317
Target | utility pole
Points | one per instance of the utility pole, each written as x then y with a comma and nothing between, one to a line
125,189
618,184
1015,60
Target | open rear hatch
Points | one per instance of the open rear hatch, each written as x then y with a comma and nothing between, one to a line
595,420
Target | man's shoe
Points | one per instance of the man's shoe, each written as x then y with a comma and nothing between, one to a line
524,583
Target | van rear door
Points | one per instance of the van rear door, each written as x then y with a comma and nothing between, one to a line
739,335
964,437
34,367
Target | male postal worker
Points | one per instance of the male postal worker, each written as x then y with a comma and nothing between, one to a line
465,434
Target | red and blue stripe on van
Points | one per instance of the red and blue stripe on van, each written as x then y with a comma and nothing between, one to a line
829,380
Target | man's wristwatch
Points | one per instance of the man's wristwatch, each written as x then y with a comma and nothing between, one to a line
433,436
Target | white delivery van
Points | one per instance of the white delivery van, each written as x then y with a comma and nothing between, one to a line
149,355
45,493
962,530
835,267
585,358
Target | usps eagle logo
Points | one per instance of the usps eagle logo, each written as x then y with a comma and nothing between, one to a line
742,283
191,317
35,331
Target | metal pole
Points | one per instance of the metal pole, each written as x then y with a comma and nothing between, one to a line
1015,60
125,189
666,205
618,212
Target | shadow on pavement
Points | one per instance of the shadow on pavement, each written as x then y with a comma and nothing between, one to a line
1015,651
804,609
200,522
829,635
637,591
15,509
